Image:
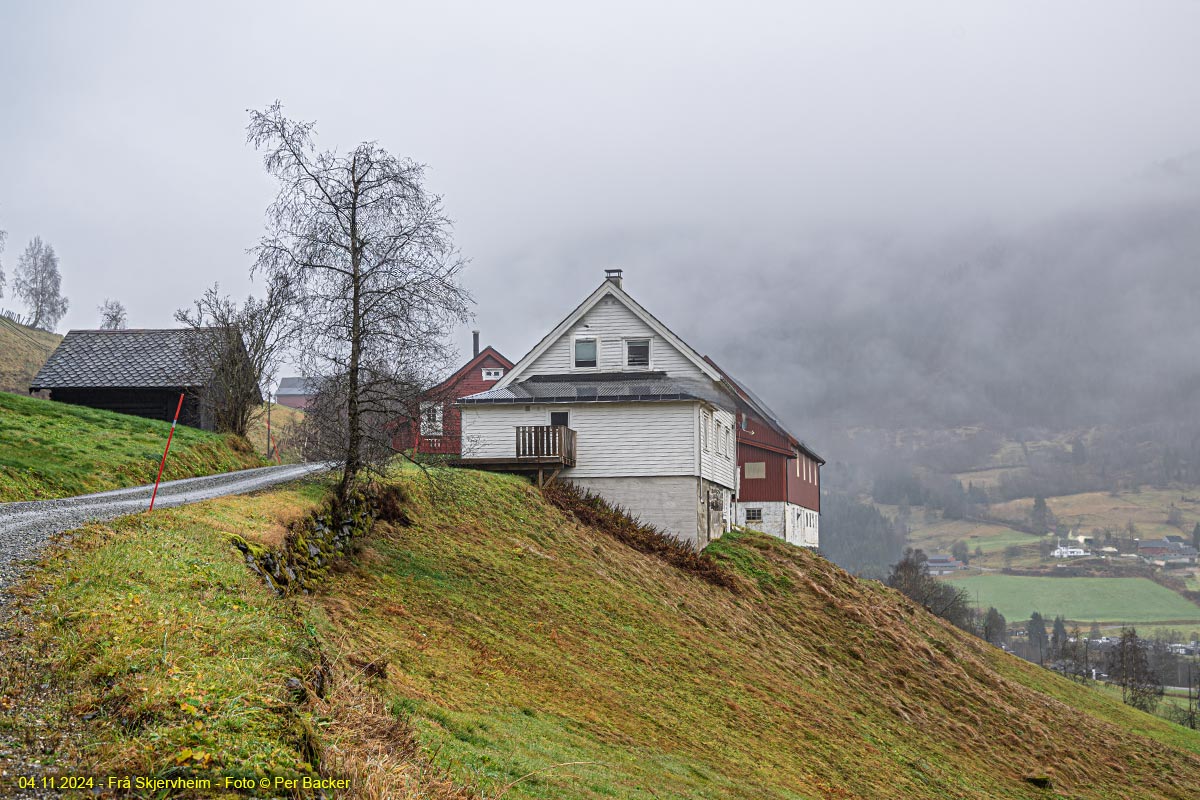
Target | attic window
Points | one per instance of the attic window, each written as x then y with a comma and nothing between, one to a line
753,515
637,352
493,374
585,351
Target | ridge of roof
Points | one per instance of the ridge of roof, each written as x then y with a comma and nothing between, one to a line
763,410
609,288
473,363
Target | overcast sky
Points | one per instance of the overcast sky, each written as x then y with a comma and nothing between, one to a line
700,146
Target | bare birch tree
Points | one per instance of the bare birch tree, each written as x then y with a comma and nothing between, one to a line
240,349
3,239
370,252
37,281
112,315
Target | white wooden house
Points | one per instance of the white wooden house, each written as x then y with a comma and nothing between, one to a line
615,402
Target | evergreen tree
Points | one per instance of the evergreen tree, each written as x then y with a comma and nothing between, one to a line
995,627
1196,536
1058,639
1038,641
1040,517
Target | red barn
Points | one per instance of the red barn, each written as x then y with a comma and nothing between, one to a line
435,428
779,477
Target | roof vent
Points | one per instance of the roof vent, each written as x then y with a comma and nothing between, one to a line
613,275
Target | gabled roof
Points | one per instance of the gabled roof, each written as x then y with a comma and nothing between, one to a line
607,289
127,359
763,411
290,387
473,364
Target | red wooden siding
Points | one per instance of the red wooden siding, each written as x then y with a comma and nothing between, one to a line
468,380
758,441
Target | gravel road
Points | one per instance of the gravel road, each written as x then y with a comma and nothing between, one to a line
25,527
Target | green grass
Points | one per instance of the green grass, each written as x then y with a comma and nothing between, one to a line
1116,600
153,629
484,644
52,450
519,643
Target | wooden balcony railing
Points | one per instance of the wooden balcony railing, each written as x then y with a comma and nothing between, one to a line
543,442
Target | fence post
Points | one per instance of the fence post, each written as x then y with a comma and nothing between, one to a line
163,463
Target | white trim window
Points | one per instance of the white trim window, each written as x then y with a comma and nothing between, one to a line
586,352
431,419
753,515
637,353
492,374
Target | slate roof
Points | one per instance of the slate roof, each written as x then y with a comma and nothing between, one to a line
295,386
598,387
124,358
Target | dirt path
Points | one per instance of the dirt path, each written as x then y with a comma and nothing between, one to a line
25,527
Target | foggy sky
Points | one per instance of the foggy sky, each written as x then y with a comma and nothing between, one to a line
769,175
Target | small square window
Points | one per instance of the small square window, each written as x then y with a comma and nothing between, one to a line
493,374
637,352
753,515
585,352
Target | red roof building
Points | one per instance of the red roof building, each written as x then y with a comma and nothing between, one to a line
435,428
779,477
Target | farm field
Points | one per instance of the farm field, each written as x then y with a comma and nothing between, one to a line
1146,509
1114,600
940,535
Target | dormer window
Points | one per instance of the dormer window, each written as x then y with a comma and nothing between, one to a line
585,352
493,374
637,352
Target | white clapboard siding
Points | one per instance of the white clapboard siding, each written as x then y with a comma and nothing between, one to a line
715,465
490,431
611,322
613,440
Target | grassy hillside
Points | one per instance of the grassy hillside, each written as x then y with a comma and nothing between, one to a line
484,644
57,450
1147,509
283,421
22,353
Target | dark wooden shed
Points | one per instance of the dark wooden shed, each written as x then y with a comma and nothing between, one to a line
139,372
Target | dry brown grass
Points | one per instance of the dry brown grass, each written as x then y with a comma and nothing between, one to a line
376,749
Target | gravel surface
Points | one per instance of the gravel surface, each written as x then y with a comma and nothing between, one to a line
25,527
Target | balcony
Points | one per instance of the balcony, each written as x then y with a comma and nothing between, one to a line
554,444
541,449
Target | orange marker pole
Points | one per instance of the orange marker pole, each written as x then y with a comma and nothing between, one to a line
163,463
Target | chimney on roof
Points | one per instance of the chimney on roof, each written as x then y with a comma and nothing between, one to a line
475,339
613,275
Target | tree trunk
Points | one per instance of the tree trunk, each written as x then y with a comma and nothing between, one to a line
353,413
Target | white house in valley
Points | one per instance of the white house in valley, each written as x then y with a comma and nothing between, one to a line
616,403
